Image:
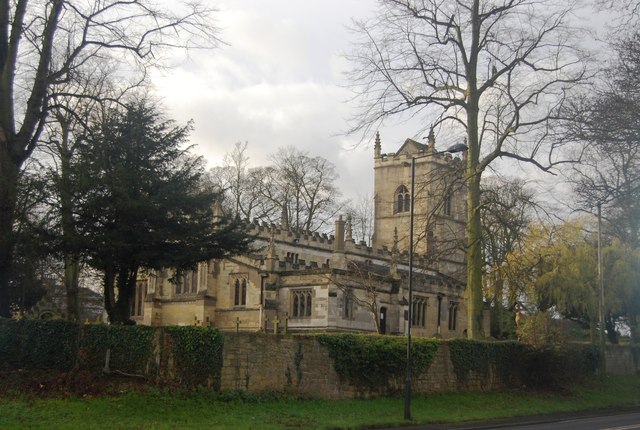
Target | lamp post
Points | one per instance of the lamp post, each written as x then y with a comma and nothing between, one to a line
603,364
458,147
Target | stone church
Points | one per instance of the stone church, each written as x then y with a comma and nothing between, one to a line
302,281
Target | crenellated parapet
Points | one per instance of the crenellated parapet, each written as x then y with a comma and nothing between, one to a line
288,241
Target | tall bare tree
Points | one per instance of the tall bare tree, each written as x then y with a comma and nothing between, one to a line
306,186
609,173
44,43
496,71
361,212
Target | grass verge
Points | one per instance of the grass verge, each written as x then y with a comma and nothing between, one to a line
205,410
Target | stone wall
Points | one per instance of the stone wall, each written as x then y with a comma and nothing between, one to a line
619,360
258,362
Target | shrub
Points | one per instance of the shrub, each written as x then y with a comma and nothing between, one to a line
38,344
487,359
131,347
197,355
373,361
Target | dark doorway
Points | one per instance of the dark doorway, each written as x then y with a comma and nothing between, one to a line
383,320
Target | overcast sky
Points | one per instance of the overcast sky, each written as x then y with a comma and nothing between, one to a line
279,82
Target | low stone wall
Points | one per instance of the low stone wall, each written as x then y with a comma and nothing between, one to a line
258,362
619,360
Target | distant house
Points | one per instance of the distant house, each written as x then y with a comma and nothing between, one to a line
53,304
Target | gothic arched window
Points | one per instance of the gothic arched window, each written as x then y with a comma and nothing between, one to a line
240,292
402,200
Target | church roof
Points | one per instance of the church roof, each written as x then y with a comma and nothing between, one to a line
410,147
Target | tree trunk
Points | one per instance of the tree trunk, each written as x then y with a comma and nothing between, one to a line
71,258
9,171
474,261
71,276
109,293
126,290
497,325
633,327
473,172
612,334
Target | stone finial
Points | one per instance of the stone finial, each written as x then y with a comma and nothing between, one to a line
348,234
284,217
393,268
338,244
271,249
431,139
377,147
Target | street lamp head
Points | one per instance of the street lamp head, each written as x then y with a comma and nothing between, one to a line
458,147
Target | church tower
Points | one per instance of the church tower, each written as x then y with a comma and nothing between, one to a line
439,206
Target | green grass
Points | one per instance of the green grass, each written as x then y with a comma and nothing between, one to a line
202,410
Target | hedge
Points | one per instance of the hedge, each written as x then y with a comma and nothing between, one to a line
190,356
373,361
520,364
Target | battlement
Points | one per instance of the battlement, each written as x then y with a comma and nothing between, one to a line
266,230
427,155
292,238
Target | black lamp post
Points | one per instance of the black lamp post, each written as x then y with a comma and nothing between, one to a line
603,364
458,147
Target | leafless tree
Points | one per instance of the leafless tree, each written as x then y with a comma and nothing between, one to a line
361,212
306,187
497,71
45,43
360,285
609,174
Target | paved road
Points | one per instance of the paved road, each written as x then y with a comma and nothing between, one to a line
628,420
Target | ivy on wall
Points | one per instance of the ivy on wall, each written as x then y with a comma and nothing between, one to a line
131,348
197,354
373,361
514,362
61,345
485,359
34,344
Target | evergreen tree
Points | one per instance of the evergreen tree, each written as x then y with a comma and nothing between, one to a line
145,203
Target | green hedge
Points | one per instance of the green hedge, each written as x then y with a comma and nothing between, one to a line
37,344
515,363
196,352
485,358
373,361
551,367
131,348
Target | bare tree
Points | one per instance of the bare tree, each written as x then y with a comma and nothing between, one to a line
361,212
497,71
240,184
361,285
303,187
609,174
45,43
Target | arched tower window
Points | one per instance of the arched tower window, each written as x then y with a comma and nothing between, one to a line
448,204
402,200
